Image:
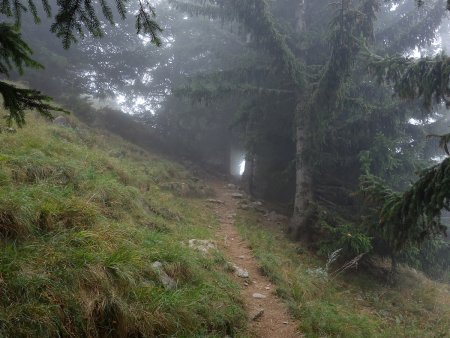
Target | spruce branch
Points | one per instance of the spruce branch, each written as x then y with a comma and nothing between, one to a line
425,78
75,18
14,52
18,100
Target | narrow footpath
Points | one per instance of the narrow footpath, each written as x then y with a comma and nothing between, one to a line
268,315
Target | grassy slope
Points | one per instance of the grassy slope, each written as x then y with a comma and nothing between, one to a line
351,306
82,218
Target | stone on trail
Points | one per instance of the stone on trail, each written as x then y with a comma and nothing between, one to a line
210,200
237,195
257,314
275,217
231,186
259,295
240,272
164,278
201,245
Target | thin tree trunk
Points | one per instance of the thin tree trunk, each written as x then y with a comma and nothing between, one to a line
248,175
303,193
303,190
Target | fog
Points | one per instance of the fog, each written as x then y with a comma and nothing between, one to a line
298,102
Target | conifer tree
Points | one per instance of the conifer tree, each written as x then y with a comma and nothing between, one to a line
74,19
340,112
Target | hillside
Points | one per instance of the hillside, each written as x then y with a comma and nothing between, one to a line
95,243
82,218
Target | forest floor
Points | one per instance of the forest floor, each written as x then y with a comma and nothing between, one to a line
272,315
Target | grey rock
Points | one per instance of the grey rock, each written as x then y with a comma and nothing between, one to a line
231,186
210,200
258,295
157,265
258,206
257,314
275,217
201,245
237,195
8,130
164,278
240,272
61,121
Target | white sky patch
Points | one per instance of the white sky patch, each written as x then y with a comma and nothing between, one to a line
415,53
139,100
394,7
438,158
242,168
144,39
130,81
147,78
120,98
416,122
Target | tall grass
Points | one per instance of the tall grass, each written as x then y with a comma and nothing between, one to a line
83,216
351,305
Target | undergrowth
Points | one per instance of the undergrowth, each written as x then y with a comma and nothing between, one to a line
351,305
83,216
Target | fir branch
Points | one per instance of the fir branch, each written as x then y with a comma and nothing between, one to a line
33,10
411,217
14,52
417,28
47,8
426,78
145,24
75,18
18,100
107,12
206,92
349,29
444,140
255,15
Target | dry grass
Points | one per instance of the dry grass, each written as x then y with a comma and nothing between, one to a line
82,217
352,304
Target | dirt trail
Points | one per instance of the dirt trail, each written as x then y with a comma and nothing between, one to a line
275,321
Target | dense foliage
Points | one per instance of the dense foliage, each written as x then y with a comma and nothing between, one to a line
303,88
341,116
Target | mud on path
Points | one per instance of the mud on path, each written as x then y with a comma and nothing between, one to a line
275,321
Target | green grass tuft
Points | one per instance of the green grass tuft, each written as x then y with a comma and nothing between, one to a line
353,305
83,216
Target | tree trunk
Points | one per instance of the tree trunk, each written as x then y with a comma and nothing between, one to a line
303,191
248,175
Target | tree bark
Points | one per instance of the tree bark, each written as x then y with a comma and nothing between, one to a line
303,192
